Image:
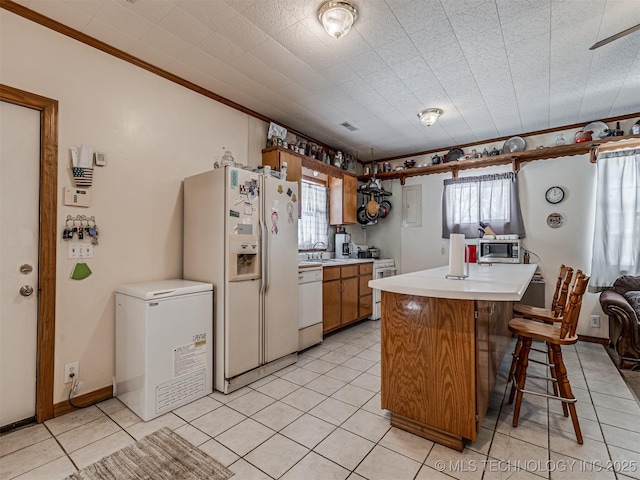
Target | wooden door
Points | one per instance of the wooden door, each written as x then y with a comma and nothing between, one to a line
335,200
331,310
349,300
343,200
365,301
294,173
19,185
47,140
349,199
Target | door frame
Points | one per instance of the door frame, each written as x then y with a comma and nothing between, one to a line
47,237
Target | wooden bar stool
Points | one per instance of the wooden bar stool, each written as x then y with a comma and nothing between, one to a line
554,336
557,303
546,315
550,316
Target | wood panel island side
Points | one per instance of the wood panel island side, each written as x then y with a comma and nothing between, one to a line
442,343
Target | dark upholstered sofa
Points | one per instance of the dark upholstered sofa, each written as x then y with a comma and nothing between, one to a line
622,304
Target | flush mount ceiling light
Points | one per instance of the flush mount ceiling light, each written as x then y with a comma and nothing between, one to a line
337,17
429,116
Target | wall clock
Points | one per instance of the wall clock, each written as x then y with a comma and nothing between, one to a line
555,220
554,195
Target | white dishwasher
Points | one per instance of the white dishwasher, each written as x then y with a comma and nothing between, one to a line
310,294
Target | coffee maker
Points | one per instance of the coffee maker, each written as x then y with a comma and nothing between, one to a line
343,245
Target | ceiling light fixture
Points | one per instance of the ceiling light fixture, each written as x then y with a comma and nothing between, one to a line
338,17
429,116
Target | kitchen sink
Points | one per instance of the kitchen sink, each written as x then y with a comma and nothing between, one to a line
344,260
309,263
333,260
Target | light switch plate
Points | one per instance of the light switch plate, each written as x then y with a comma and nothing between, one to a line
73,250
79,250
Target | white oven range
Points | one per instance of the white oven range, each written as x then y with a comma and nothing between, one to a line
384,267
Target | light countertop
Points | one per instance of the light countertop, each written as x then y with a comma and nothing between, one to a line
498,282
333,262
309,264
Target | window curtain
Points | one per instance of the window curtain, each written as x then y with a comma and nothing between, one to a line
616,239
491,199
313,226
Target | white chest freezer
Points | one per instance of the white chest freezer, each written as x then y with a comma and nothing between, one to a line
164,345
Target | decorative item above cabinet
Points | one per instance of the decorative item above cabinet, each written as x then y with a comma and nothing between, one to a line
514,158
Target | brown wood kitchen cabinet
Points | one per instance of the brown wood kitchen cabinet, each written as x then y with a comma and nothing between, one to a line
346,296
339,296
275,156
331,298
365,296
440,359
343,200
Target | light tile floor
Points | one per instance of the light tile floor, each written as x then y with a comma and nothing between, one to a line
321,419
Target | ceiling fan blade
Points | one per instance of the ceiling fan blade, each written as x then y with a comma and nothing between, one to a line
614,37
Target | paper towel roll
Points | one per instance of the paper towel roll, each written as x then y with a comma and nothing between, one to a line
456,255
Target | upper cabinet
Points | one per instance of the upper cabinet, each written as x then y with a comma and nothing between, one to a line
275,157
342,200
342,184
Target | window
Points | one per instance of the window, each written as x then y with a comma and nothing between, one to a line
616,240
491,199
313,226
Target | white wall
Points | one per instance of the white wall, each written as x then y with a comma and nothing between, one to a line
423,247
386,234
154,133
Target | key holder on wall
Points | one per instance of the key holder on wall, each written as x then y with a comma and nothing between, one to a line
79,226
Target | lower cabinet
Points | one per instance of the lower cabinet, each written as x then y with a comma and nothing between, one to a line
365,296
346,297
331,298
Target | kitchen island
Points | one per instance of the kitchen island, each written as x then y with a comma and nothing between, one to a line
442,343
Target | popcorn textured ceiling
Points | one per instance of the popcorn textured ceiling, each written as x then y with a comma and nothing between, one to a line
495,67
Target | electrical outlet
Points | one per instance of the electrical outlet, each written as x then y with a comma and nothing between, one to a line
69,368
595,321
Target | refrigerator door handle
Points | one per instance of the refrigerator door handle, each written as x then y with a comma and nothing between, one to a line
263,259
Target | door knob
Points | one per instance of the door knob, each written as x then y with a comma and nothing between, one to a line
26,269
26,290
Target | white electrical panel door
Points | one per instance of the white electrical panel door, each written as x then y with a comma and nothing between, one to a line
412,206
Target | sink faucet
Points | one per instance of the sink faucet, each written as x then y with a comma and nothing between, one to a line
319,255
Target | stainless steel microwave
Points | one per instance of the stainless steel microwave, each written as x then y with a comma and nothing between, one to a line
499,251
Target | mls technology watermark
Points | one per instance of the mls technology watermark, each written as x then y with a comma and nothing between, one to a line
493,465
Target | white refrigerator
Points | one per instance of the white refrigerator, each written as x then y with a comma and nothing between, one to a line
241,235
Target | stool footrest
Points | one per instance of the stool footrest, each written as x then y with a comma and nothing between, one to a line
547,395
540,362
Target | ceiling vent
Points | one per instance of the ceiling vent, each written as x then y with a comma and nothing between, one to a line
348,126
